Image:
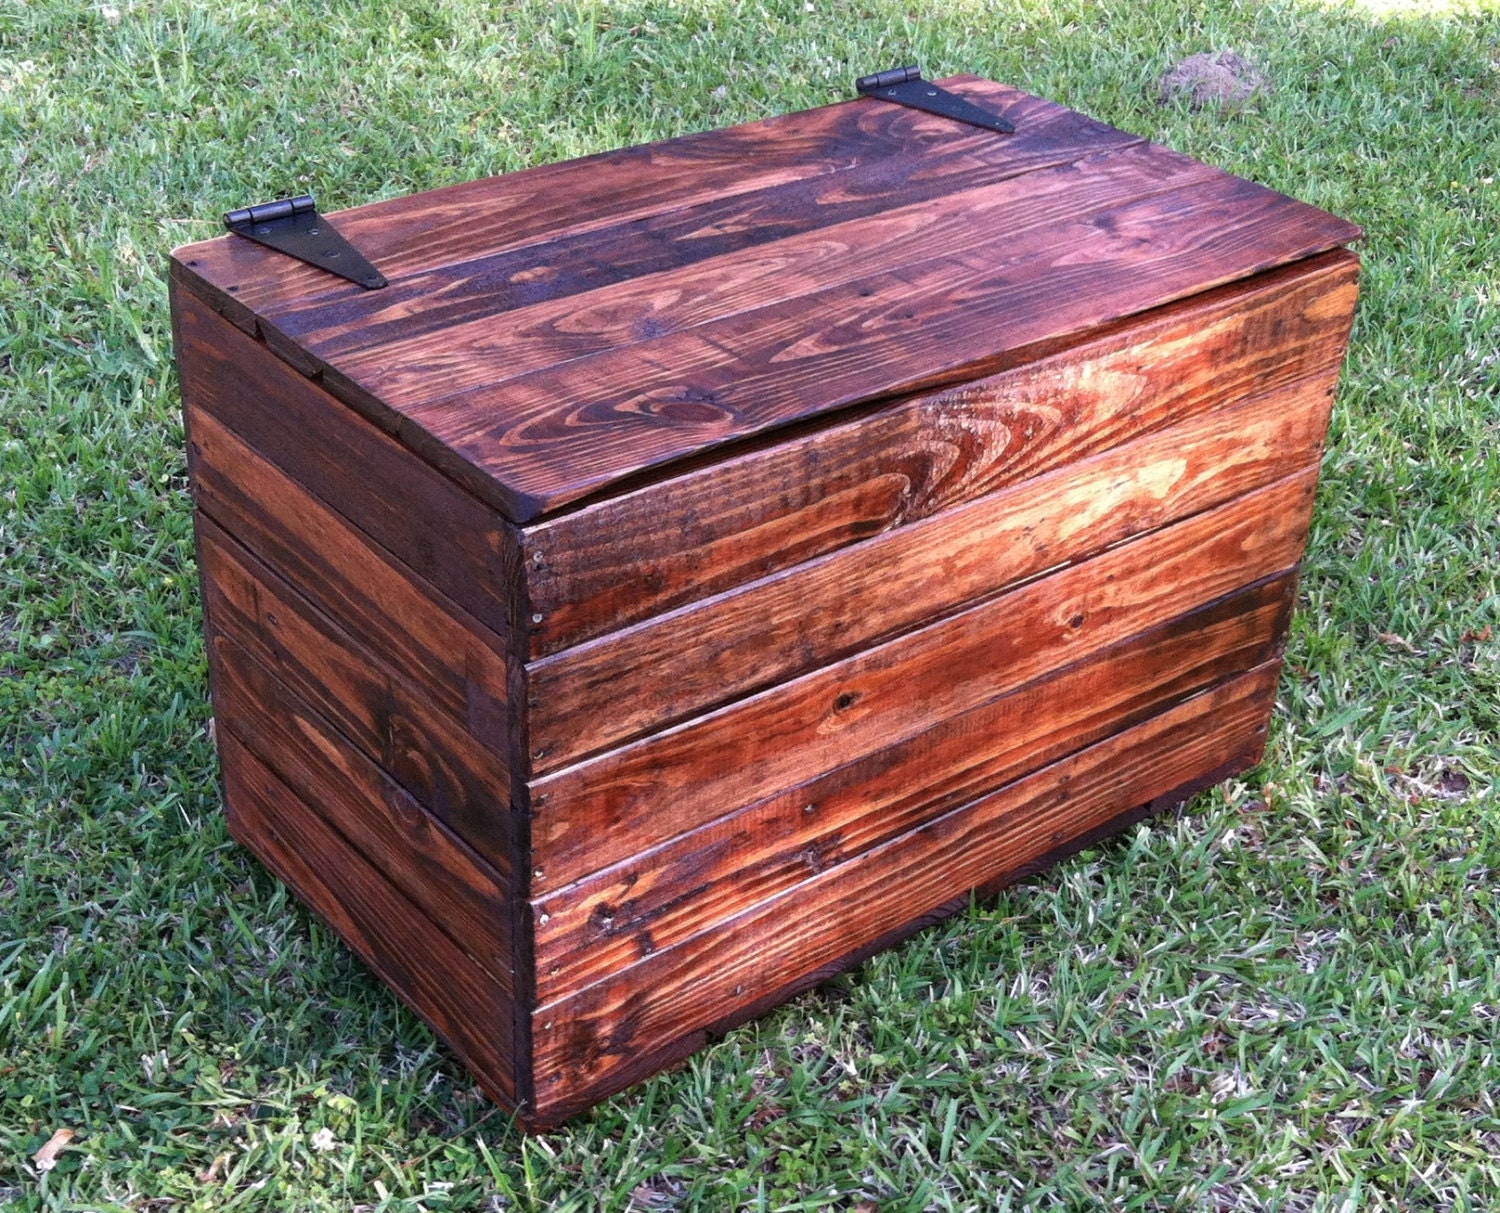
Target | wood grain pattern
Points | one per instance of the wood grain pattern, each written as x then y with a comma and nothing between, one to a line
732,521
605,809
657,899
615,333
444,535
418,631
471,1012
684,663
387,716
707,563
641,283
463,223
550,438
613,1033
530,290
469,901
747,1008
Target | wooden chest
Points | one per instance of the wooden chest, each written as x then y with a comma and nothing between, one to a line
704,564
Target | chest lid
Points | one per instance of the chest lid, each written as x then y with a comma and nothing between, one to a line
559,333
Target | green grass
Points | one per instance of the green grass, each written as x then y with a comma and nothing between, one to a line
1286,997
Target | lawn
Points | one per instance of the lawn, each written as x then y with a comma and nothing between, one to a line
1286,996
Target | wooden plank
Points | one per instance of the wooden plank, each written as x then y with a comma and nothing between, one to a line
534,281
613,1033
465,1007
546,305
388,716
682,664
554,437
724,523
605,809
465,898
415,235
443,534
588,931
419,632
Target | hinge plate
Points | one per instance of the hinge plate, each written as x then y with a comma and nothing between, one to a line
905,86
294,227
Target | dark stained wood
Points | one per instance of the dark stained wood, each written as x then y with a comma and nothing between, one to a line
682,664
531,290
417,630
747,1008
733,521
649,280
608,808
467,223
656,899
549,438
539,370
443,534
468,1009
707,563
388,716
613,1033
469,901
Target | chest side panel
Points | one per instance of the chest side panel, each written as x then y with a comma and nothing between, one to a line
360,614
1098,627
614,1032
972,489
620,803
439,980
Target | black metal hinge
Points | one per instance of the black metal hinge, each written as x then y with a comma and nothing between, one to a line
294,227
905,86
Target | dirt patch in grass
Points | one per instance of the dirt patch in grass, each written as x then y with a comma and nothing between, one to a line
1221,79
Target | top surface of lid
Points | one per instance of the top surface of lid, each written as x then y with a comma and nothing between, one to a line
552,333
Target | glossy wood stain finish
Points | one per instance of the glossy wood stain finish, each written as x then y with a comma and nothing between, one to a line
730,522
707,563
1081,226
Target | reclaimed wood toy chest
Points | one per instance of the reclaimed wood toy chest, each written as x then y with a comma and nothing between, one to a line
706,563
